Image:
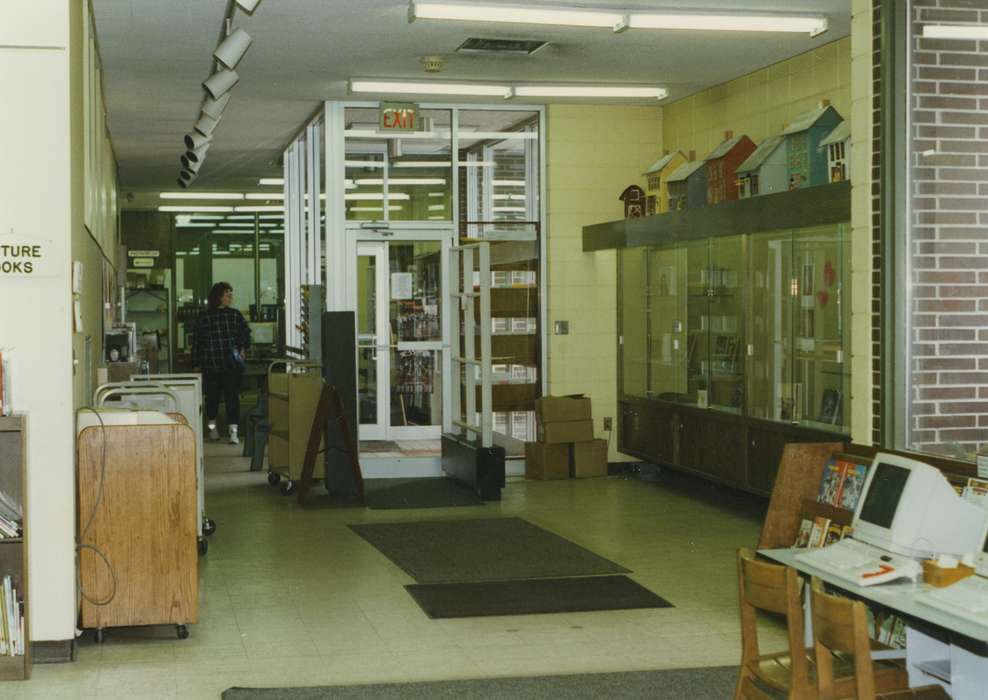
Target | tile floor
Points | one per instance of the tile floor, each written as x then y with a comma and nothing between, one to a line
292,597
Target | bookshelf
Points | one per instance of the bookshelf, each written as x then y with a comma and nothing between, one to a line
13,550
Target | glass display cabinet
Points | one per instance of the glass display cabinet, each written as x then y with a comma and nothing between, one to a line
732,344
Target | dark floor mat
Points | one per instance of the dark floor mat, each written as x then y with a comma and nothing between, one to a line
387,494
487,549
533,597
378,446
715,683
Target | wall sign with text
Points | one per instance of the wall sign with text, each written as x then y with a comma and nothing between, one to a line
399,116
23,256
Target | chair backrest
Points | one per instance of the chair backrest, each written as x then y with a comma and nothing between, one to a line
840,625
772,588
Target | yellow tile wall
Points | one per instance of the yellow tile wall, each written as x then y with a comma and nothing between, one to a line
761,103
593,153
861,124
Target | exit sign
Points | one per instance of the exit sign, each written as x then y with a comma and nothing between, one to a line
399,116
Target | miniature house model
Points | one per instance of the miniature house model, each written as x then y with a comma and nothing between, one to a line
722,165
688,186
766,170
657,186
634,202
807,163
838,147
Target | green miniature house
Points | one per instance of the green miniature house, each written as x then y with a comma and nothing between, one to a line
807,163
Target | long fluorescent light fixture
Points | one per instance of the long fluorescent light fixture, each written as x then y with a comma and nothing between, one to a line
430,87
271,181
590,91
944,31
200,195
517,14
618,21
193,209
498,90
260,209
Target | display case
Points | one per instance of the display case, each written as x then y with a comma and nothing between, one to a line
732,340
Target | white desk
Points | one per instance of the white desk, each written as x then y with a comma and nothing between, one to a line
940,647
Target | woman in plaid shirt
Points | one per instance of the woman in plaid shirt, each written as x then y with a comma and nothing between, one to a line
218,344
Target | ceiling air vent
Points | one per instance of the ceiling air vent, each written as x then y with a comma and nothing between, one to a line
518,47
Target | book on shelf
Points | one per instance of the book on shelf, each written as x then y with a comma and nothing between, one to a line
832,482
803,536
854,478
835,533
11,620
842,483
818,533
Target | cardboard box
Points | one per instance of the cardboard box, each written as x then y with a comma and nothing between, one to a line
589,459
547,461
552,409
565,431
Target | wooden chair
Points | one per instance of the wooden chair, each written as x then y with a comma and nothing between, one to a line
840,627
771,588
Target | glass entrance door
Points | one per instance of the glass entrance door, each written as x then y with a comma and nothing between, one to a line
399,338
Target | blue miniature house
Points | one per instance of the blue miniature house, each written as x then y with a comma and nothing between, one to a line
838,148
766,170
807,163
688,186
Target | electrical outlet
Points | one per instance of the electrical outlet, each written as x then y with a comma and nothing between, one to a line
608,423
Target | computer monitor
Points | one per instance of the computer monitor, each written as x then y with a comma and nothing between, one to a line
910,508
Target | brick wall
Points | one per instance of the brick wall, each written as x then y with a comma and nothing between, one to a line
949,233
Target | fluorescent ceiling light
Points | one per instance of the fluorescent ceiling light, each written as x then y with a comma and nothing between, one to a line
390,208
519,14
261,208
193,209
437,207
437,194
265,195
509,209
619,20
509,183
943,31
271,217
233,224
371,196
227,231
362,182
240,217
201,195
590,91
194,225
271,181
441,164
203,217
730,22
429,88
510,197
365,163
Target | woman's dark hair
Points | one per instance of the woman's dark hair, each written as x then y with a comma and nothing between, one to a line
215,297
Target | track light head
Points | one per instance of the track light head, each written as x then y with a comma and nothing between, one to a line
198,154
233,48
194,140
187,176
220,82
248,6
214,108
205,125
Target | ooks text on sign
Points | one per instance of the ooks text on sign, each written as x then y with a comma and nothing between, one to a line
21,256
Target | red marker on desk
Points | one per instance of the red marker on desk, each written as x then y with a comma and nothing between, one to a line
883,569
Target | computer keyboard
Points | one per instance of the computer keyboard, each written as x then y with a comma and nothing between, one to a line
966,598
860,563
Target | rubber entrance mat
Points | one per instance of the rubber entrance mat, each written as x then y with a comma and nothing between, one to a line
384,494
544,595
487,549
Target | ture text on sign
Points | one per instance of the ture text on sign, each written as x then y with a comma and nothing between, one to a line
18,258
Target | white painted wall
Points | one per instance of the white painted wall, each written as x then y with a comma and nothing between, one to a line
35,314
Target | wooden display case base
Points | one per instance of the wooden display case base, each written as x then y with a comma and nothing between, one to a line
14,668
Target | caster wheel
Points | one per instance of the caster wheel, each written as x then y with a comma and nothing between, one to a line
203,546
99,636
208,526
182,631
288,488
274,478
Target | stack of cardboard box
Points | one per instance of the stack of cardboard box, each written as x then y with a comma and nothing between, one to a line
566,446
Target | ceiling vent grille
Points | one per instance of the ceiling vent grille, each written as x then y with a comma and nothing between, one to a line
517,47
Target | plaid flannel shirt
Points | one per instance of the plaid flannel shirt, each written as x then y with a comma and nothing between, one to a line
218,332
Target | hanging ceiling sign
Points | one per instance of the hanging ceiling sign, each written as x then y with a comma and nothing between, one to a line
399,116
22,256
143,253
